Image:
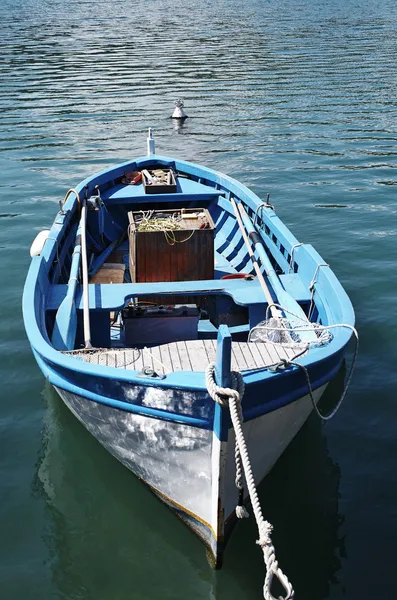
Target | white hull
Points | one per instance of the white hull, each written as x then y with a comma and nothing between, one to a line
188,467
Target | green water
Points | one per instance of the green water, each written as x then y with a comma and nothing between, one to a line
295,98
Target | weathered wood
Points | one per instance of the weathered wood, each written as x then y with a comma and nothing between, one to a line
184,356
194,355
182,255
241,363
175,360
266,356
255,353
197,355
166,358
210,350
157,362
137,364
109,273
246,352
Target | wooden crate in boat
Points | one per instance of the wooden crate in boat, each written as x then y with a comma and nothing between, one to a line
186,254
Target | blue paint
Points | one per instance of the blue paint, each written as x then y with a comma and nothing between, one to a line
101,259
64,333
304,108
137,409
222,377
86,379
105,297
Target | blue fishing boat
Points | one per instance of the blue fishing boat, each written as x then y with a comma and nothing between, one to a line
177,317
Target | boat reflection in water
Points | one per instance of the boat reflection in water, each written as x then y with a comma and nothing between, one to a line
109,536
300,497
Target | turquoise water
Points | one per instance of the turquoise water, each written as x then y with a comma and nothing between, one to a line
295,98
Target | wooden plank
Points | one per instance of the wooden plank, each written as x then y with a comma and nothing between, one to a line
235,365
118,359
184,356
109,273
249,359
173,263
157,362
166,358
281,351
239,357
138,364
175,359
266,357
209,348
147,360
256,354
197,355
271,348
290,352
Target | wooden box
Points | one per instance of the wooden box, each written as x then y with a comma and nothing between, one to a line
186,254
159,180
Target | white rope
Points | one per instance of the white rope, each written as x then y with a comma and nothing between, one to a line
231,397
146,349
284,363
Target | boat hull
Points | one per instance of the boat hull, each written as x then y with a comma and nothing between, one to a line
189,468
163,425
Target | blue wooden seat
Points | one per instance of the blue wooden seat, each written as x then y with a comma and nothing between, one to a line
106,297
187,190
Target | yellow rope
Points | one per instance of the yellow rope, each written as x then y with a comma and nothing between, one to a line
168,225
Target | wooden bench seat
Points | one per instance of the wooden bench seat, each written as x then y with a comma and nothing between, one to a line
106,297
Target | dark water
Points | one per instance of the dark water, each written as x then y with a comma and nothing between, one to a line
296,98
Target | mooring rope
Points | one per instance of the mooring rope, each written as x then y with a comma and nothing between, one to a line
324,336
231,397
285,362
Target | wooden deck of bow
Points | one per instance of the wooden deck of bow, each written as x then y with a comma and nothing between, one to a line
191,355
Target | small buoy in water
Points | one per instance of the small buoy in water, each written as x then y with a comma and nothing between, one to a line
179,113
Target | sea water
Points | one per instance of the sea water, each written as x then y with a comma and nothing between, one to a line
294,98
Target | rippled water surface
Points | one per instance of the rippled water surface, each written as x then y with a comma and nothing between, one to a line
294,97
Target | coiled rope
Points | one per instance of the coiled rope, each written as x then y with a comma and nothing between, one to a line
231,397
167,224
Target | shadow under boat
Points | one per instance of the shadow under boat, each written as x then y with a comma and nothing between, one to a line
106,529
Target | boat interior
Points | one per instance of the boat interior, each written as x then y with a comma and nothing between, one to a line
167,263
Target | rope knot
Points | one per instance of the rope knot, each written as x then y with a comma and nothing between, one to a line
264,534
223,395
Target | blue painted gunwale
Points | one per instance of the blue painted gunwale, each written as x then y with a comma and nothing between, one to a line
280,387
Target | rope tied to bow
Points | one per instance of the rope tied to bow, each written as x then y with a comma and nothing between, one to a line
231,398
